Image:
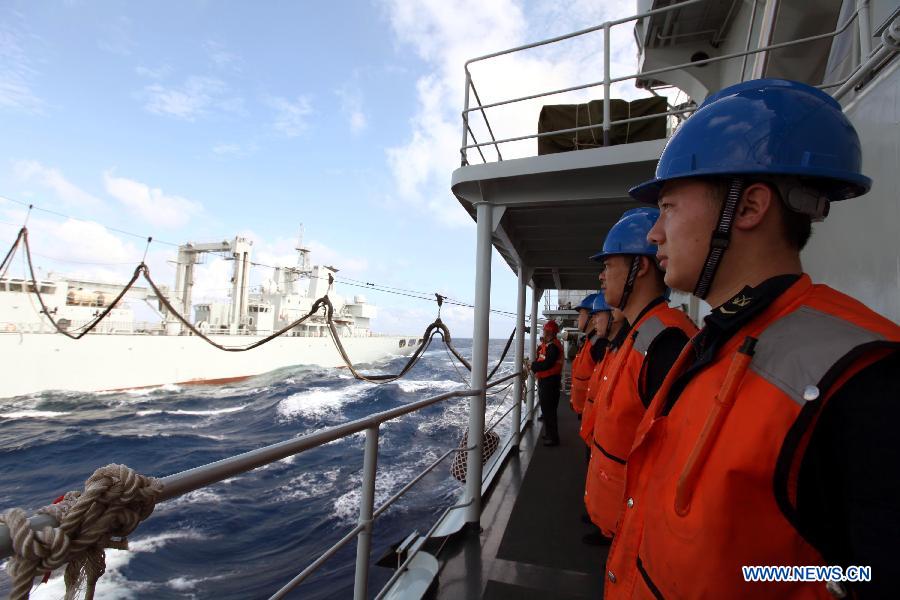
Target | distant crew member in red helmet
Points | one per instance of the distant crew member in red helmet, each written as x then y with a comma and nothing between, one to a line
548,371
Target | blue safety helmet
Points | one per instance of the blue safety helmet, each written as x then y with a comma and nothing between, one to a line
629,234
765,127
600,304
588,302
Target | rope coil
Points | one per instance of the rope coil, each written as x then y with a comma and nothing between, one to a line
114,501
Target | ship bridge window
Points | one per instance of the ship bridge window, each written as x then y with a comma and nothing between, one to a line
15,287
48,289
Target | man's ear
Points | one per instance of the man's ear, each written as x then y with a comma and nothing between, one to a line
645,266
756,202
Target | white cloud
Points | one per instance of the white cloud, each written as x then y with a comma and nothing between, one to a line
78,249
445,35
160,72
352,107
68,192
221,57
227,149
290,116
281,252
212,280
151,204
325,255
16,72
233,149
197,97
117,37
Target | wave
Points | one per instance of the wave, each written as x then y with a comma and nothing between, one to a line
195,413
32,414
114,585
147,391
318,401
411,386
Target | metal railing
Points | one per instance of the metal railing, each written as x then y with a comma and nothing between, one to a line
860,15
187,481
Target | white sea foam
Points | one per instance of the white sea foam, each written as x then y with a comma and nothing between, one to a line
183,584
147,391
309,484
114,585
219,411
318,401
32,414
443,385
147,413
201,496
201,413
387,483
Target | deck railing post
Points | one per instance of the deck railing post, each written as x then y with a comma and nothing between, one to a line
484,216
463,155
519,385
532,347
865,30
606,78
366,508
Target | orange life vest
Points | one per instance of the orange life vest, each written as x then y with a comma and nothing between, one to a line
557,367
587,417
712,486
617,411
582,369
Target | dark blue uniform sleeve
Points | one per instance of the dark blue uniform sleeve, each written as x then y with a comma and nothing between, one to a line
848,492
661,355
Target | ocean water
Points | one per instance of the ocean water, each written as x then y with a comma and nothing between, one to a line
247,536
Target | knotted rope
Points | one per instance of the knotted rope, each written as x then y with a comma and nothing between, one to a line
114,501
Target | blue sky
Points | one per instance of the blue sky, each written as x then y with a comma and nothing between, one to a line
198,121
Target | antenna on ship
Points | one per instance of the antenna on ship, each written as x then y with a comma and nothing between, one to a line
303,265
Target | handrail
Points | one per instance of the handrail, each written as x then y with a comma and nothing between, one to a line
186,481
581,32
608,81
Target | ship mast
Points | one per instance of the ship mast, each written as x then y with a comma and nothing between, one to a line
303,264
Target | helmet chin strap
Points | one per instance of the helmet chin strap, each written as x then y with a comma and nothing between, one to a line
629,282
720,238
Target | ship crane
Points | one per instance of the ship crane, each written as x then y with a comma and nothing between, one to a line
189,255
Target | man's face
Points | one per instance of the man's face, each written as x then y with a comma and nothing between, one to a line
613,278
582,318
687,218
599,321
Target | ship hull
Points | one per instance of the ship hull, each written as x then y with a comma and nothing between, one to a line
42,362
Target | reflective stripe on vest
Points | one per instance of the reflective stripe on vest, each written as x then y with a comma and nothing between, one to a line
711,486
617,412
586,431
582,369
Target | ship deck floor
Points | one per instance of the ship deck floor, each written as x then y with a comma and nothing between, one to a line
530,544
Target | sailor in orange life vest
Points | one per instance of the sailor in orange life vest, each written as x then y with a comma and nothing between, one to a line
773,441
610,322
548,371
632,281
583,364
